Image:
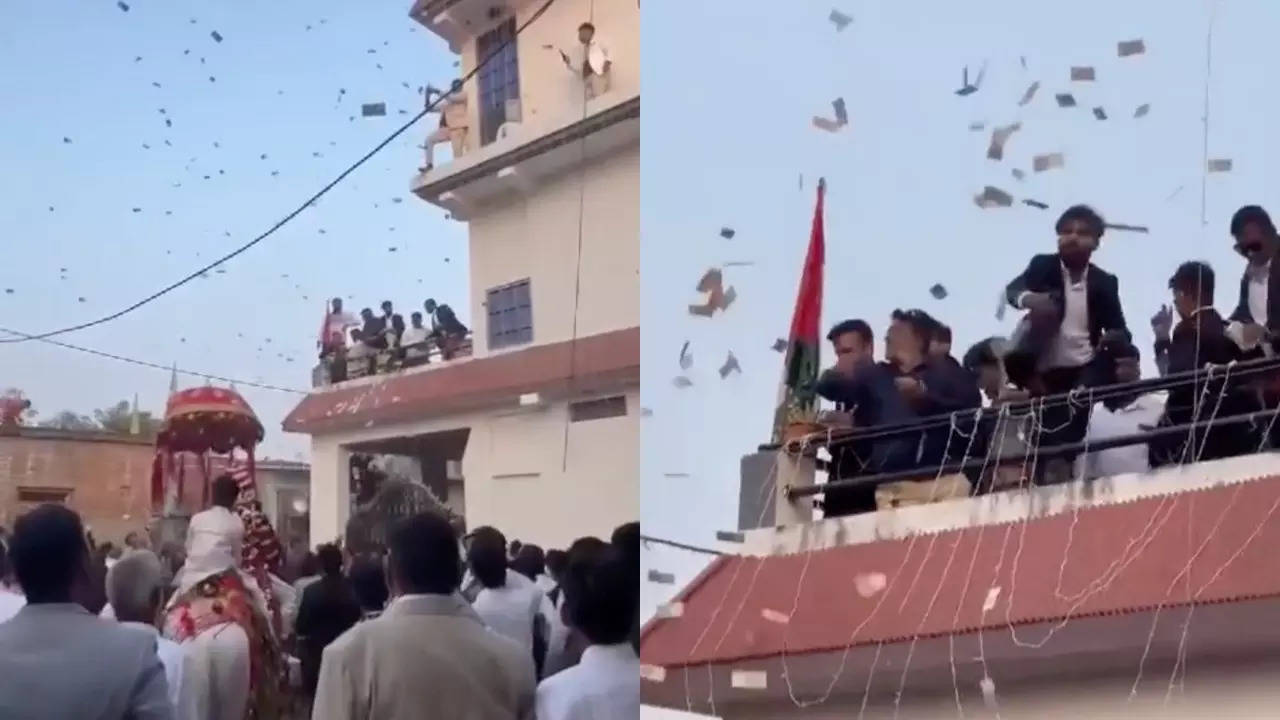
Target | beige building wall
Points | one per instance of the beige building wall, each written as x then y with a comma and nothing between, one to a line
535,236
547,87
516,476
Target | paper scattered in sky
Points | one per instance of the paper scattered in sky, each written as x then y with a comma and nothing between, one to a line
730,365
730,536
774,616
1029,93
686,359
661,578
373,109
1100,113
1048,161
938,291
1125,48
1083,74
779,345
839,19
123,5
1219,165
1142,110
217,36
1065,100
842,114
1018,173
993,197
749,679
682,382
999,136
726,233
826,124
653,673
1035,204
670,610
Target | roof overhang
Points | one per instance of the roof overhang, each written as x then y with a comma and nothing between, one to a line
590,364
456,21
535,150
1068,562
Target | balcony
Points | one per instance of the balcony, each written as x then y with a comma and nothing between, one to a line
457,21
526,152
429,353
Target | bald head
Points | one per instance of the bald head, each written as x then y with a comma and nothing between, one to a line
135,587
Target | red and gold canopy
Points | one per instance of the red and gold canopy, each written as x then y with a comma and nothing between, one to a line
208,419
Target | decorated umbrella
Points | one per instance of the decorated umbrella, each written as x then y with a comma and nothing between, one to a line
201,421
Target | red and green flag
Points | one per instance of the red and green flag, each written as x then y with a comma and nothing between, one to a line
796,399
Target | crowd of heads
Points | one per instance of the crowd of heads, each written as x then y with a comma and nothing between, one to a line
383,340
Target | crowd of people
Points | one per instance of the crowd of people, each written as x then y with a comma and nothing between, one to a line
1071,340
434,625
353,347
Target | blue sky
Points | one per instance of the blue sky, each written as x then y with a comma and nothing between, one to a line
275,91
730,89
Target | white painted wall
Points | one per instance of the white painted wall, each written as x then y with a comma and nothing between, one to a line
517,477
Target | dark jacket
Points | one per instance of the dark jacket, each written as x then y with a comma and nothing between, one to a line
445,321
1242,312
1044,275
874,400
328,609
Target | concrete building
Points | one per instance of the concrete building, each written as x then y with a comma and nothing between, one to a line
106,477
1136,596
536,430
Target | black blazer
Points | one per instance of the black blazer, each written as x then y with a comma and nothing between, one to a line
1242,312
1044,275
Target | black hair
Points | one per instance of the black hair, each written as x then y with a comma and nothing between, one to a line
366,311
1083,213
1125,350
424,555
942,333
487,558
981,354
858,327
1251,215
1195,279
48,553
530,562
600,594
397,321
920,322
225,491
556,561
369,583
384,304
417,315
330,559
309,566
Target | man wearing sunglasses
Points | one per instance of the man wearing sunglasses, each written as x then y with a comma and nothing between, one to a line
1256,315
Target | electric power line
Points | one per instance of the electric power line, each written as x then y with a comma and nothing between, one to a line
157,366
429,108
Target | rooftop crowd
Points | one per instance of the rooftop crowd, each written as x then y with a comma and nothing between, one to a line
353,347
1072,339
434,625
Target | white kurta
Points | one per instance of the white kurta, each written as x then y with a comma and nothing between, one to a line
217,672
604,684
510,611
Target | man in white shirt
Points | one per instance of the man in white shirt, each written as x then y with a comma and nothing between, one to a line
414,340
601,603
1120,416
590,59
1073,315
1256,241
135,591
510,608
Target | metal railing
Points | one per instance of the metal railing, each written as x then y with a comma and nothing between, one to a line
1236,377
334,369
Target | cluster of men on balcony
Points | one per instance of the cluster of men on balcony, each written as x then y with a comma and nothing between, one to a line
1072,340
375,343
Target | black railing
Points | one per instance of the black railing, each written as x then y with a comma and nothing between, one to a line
967,421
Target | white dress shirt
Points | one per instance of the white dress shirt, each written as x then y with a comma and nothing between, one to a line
412,339
214,539
1105,423
510,611
10,603
1071,347
175,661
1256,296
604,684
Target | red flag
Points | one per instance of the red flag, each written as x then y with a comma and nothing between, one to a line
796,399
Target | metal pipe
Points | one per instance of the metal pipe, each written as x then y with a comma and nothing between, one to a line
1052,451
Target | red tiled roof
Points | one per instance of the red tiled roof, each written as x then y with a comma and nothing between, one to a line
597,361
931,590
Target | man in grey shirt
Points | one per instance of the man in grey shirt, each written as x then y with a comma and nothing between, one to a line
58,661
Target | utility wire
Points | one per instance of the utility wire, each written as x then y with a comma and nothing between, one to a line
429,108
157,366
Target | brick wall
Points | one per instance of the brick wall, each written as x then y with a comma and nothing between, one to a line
105,479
